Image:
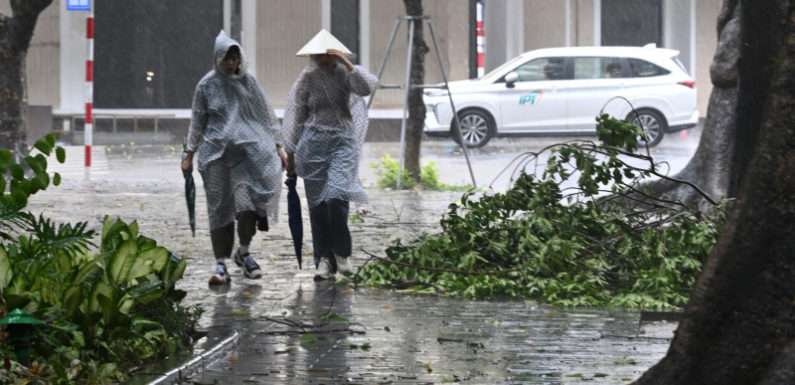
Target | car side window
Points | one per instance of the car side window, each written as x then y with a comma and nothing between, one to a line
643,69
598,68
553,68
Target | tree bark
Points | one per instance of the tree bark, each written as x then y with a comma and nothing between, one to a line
712,166
739,327
16,33
416,119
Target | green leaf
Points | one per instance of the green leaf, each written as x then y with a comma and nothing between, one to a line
17,172
122,261
5,157
60,154
5,270
43,145
56,179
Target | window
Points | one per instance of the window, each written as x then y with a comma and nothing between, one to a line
632,22
345,24
643,69
598,68
542,69
144,59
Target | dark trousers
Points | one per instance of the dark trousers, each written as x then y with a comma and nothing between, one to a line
330,234
223,239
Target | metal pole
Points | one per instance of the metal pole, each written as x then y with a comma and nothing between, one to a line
88,135
452,105
180,374
386,59
406,104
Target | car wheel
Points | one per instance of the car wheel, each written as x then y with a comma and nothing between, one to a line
477,128
652,123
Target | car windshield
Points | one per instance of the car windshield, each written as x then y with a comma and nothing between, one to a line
493,74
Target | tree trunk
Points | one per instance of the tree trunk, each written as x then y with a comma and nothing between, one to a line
15,35
739,327
711,167
416,119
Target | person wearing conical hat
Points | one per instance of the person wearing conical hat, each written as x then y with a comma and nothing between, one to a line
325,123
238,140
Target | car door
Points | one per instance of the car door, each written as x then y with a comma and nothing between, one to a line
533,103
596,81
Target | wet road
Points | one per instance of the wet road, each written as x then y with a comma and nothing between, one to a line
297,332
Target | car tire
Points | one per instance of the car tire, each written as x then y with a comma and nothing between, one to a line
653,124
478,128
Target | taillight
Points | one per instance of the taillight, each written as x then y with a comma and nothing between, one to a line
688,83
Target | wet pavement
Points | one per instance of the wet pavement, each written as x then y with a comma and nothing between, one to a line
295,331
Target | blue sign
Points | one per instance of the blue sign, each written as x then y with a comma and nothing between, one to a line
78,5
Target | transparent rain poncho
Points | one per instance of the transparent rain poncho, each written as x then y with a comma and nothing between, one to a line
325,123
234,132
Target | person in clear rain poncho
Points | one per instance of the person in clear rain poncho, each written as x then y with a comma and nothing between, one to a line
238,140
324,124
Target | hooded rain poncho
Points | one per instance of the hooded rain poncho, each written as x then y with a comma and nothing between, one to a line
235,132
325,123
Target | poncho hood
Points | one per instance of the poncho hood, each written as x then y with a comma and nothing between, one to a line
223,43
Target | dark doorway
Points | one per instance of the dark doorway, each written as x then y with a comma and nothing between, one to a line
345,24
151,53
632,22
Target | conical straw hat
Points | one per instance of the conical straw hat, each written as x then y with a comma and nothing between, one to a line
321,44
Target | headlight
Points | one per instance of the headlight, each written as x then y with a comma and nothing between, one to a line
436,92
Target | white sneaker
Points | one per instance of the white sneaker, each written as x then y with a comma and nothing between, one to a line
344,265
324,271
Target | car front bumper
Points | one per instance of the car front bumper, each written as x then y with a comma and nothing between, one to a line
432,123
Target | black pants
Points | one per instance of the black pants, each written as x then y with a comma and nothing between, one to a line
330,234
223,239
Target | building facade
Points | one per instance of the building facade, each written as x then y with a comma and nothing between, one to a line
150,53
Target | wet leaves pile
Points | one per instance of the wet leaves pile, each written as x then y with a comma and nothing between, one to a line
604,241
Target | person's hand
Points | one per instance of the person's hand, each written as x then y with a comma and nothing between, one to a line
282,156
187,162
342,57
290,164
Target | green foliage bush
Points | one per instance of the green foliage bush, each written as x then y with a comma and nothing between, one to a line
389,168
107,309
567,246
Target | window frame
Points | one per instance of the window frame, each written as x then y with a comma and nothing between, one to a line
568,70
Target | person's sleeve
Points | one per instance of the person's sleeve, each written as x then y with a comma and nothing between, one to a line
295,114
361,81
198,120
272,121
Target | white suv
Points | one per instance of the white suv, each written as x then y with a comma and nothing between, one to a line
562,90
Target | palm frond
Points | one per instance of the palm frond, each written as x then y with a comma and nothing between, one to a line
13,221
70,239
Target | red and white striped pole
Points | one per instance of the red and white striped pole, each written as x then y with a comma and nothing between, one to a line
89,118
480,32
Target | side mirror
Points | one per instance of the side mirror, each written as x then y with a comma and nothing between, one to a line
511,79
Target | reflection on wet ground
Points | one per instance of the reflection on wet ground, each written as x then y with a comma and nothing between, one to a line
297,332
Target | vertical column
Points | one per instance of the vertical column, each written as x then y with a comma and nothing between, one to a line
364,33
227,4
325,14
480,33
248,34
693,26
597,22
569,40
515,28
89,109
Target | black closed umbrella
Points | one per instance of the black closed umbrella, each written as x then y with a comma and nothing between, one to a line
294,215
190,199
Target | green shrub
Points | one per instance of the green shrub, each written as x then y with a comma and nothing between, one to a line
106,309
389,168
565,246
